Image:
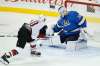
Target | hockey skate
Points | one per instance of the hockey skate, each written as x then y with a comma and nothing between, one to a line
35,53
4,59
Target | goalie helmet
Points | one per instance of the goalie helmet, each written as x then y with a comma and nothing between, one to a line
62,11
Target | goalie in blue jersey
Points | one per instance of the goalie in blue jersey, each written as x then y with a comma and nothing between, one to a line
70,25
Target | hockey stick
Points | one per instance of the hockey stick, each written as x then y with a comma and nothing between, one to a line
8,35
52,45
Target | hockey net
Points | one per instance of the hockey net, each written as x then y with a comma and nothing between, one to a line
86,5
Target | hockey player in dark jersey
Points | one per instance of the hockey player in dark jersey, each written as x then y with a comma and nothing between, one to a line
24,36
42,32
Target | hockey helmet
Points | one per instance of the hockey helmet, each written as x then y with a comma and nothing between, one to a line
62,11
33,22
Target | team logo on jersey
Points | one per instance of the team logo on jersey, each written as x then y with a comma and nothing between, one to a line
66,22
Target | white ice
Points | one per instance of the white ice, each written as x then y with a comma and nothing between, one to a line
50,56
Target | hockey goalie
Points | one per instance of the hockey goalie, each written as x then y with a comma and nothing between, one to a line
71,27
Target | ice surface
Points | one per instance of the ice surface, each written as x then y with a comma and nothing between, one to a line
50,56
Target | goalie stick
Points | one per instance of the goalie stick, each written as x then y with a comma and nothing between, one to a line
51,45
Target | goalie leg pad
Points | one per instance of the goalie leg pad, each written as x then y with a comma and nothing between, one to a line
76,45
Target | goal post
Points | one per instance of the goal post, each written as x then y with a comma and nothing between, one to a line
90,6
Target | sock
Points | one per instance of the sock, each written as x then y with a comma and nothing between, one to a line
13,52
33,47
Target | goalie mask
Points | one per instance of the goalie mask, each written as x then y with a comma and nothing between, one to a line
62,11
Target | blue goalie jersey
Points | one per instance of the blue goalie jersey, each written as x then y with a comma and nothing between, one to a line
70,23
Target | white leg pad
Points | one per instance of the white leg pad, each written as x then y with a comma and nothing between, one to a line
76,45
